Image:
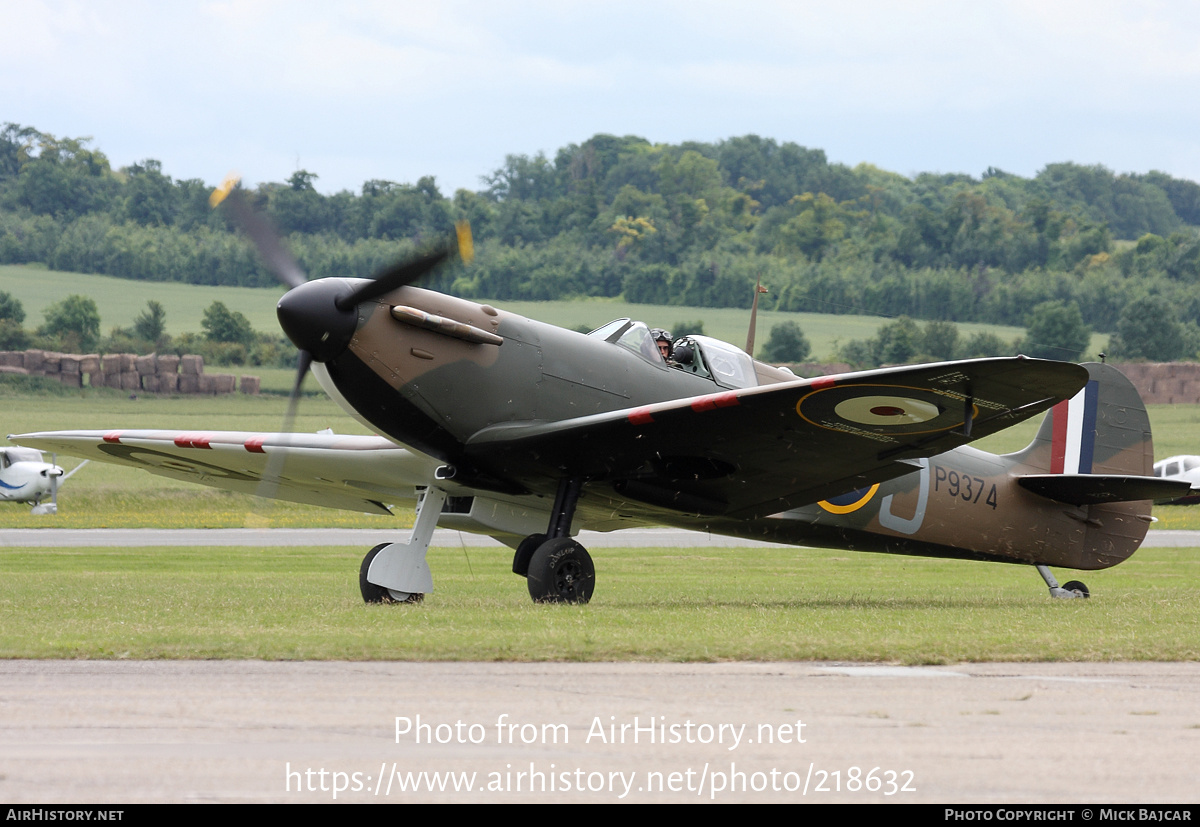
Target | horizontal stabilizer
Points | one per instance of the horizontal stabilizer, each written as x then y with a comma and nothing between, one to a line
1094,489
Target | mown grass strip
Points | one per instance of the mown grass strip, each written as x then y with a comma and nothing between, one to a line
654,605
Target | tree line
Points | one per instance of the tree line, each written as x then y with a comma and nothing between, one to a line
685,224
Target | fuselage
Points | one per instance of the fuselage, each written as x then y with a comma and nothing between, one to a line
24,477
433,392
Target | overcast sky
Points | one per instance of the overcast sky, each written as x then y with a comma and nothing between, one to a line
396,90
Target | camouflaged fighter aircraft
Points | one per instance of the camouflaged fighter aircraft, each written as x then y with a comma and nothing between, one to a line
527,432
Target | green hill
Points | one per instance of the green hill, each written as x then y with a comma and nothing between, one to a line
121,300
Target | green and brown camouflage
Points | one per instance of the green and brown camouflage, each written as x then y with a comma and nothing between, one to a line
754,454
971,504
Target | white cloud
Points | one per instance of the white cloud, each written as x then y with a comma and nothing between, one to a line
449,88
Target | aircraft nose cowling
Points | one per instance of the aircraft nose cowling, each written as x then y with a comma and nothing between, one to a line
310,317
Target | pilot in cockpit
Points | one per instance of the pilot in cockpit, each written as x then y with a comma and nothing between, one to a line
662,338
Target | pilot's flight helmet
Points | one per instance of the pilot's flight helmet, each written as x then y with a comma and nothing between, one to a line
660,335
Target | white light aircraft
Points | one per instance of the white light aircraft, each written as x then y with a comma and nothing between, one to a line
1184,468
25,477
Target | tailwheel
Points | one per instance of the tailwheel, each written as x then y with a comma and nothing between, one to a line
561,571
1067,591
380,594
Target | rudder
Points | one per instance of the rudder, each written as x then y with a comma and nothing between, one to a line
1103,429
1094,453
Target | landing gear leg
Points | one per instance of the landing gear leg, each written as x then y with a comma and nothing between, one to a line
397,572
559,570
1067,591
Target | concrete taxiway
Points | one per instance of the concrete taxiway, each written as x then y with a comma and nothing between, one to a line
183,731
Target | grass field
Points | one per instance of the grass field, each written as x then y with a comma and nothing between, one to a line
655,605
660,604
120,301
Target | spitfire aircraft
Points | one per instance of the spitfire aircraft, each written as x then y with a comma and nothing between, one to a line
26,477
528,432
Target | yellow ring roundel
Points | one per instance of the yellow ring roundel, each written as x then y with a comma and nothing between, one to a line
896,411
850,501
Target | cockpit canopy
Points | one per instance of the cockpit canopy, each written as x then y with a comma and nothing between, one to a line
726,365
10,455
1175,466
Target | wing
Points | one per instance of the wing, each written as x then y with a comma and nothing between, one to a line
350,472
758,451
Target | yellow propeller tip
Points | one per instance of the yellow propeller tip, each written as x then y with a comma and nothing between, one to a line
221,192
466,246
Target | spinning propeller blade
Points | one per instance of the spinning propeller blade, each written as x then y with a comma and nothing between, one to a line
270,247
319,317
272,473
397,275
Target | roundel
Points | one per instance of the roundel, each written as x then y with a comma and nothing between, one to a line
148,456
886,410
850,501
895,410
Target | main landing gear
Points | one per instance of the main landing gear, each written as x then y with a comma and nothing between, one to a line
397,572
558,569
1068,590
380,594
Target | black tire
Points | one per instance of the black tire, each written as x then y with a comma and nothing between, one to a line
561,571
1077,586
524,553
378,594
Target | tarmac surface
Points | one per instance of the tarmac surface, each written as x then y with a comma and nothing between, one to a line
236,731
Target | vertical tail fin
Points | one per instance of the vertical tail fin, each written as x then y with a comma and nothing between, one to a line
1093,453
1104,429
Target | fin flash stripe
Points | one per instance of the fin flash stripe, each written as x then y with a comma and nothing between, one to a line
1074,438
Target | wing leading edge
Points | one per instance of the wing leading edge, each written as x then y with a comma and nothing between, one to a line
758,451
355,473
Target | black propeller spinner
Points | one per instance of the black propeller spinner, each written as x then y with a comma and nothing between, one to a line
320,317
